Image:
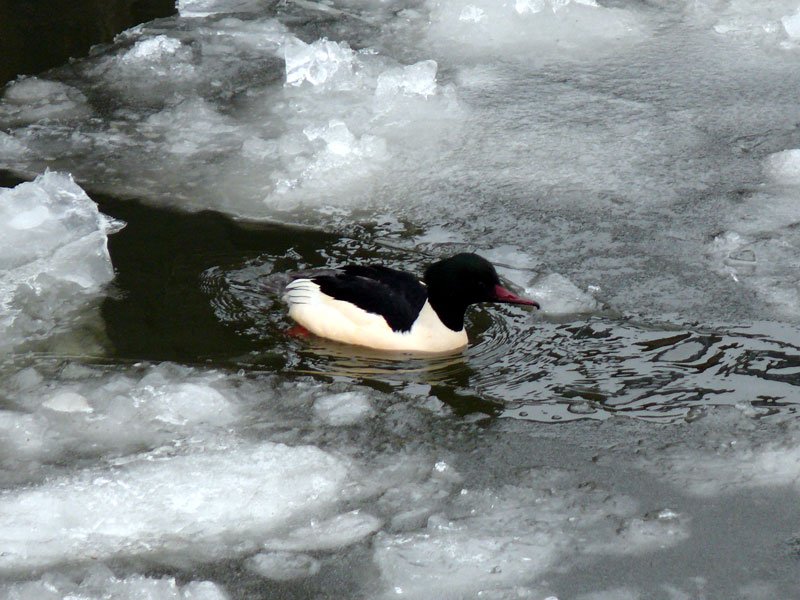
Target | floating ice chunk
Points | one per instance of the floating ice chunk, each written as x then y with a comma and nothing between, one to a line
156,48
730,455
535,6
784,166
206,8
335,151
523,27
791,25
53,255
178,506
614,594
283,566
117,412
559,296
346,408
155,70
512,264
316,63
100,582
191,128
69,402
496,539
211,98
10,147
31,99
193,403
757,260
472,14
458,563
510,257
419,78
337,137
740,18
337,532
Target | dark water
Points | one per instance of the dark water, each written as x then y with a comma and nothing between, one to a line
204,289
35,35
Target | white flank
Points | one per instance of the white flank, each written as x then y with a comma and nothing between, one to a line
344,322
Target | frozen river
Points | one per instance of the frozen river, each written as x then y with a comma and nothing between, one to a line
634,166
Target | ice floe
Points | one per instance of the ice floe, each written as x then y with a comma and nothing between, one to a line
31,99
490,539
763,237
528,29
336,532
732,456
54,258
100,582
283,566
297,121
778,21
201,506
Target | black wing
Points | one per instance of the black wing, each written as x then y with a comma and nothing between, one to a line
396,296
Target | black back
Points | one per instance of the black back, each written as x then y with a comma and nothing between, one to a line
395,295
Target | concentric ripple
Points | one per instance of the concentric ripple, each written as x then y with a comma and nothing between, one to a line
521,365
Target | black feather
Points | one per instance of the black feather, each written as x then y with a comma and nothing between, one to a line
396,296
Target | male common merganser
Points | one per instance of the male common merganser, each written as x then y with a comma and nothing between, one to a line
387,309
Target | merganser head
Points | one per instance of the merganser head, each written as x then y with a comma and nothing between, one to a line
456,282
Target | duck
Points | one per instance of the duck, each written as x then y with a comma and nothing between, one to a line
381,308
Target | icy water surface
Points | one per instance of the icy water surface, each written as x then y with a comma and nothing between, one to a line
633,166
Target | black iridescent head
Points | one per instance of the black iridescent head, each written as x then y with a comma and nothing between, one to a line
461,280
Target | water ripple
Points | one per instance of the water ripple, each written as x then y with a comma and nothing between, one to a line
621,367
520,365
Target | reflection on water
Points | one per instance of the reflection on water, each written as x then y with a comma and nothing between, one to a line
211,295
600,367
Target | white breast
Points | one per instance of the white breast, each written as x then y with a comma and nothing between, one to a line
344,322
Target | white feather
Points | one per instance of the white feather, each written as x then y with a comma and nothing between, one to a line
344,322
